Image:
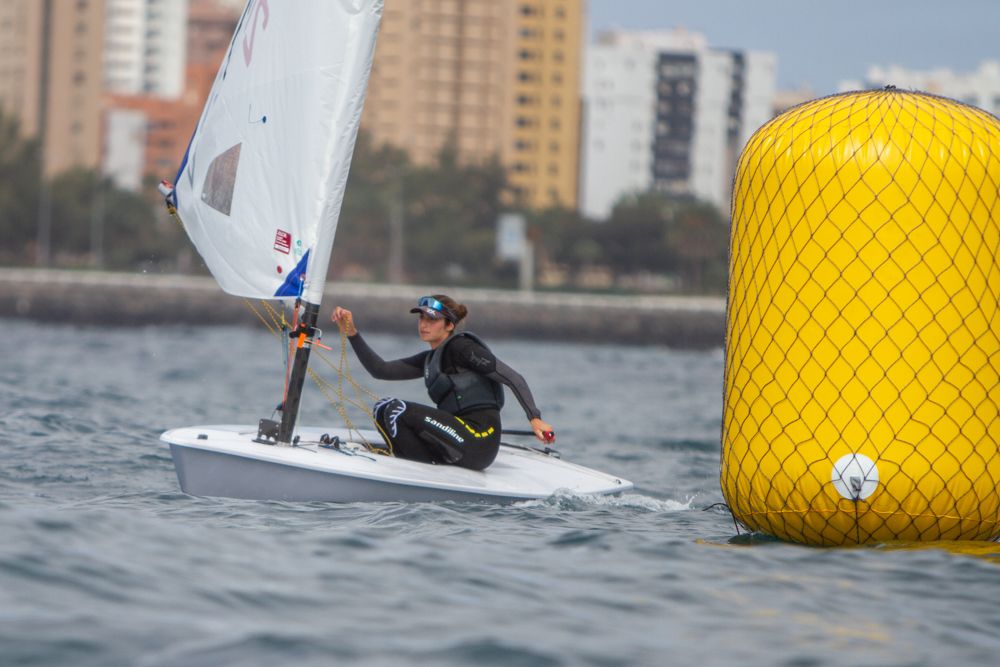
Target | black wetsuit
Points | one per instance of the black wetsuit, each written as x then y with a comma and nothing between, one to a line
470,438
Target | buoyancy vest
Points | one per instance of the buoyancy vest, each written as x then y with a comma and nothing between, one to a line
461,391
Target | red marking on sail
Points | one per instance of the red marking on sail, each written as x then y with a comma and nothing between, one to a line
283,241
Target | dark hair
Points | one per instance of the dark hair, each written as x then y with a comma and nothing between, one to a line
458,309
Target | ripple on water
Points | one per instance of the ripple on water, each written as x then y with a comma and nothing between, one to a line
104,562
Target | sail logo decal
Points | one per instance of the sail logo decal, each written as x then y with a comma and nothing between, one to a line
283,241
248,39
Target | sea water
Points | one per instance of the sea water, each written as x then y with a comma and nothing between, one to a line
104,562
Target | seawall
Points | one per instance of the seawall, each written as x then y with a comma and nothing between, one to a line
122,299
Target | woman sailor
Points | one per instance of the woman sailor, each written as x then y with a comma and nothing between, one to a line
463,378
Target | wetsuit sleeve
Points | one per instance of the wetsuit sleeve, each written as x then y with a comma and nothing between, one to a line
409,368
475,357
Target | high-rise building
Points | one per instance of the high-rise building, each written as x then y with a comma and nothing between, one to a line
664,111
210,27
144,47
979,88
440,75
490,78
51,56
146,135
21,62
542,147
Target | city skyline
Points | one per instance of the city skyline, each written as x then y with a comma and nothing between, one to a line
821,44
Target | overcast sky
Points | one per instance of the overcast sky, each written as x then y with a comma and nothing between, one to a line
822,42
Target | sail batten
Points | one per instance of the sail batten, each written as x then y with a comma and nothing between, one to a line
262,182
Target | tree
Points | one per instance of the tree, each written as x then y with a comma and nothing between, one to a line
20,166
93,219
377,175
633,239
699,239
451,215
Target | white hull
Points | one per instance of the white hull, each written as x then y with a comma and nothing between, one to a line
225,461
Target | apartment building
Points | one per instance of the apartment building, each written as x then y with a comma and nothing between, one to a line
979,88
144,50
51,57
665,111
489,78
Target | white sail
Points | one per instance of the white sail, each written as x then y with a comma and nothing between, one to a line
260,188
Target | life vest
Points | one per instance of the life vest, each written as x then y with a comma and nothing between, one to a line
461,391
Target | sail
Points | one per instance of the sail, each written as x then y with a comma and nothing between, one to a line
260,188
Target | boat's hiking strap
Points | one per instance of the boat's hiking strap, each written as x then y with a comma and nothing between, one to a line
335,393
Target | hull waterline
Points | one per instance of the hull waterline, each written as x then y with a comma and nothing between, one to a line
224,461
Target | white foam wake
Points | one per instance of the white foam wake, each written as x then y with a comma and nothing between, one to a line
569,500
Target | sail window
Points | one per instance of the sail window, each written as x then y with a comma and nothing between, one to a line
221,179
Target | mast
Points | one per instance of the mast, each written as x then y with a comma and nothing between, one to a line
304,335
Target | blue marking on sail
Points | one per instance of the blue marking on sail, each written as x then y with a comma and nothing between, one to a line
296,279
184,162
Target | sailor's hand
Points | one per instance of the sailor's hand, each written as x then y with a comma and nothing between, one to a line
543,431
344,320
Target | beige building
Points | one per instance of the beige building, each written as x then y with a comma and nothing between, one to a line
491,78
51,54
542,148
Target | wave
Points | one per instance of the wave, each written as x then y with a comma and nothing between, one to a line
569,501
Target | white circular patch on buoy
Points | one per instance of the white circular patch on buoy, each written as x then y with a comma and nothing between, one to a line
855,476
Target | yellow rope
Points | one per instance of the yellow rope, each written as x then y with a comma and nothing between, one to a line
334,394
260,317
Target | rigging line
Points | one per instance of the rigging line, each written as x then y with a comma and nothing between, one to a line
342,367
260,317
292,345
278,325
344,372
281,327
325,388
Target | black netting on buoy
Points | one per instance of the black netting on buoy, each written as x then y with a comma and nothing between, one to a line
863,360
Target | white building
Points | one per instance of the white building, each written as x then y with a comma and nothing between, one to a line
145,47
664,111
980,88
124,144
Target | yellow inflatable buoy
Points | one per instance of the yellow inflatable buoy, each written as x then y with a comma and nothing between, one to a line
862,380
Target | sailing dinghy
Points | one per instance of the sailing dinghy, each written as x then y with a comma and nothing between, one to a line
259,193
